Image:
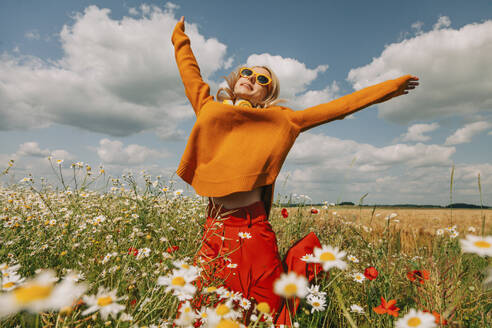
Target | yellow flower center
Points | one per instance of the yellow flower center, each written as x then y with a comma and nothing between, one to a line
211,289
222,309
225,323
8,285
263,307
204,315
290,289
178,281
327,256
185,266
31,293
103,301
414,322
187,310
316,304
482,244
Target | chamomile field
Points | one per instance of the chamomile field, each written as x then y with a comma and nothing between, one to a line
121,255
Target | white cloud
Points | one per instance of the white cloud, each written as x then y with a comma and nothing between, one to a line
417,26
294,78
116,77
466,133
113,152
32,35
442,21
32,149
454,67
416,132
316,149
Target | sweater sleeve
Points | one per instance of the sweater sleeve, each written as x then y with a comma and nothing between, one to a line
346,105
197,91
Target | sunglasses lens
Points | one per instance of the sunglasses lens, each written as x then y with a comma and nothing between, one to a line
262,79
246,72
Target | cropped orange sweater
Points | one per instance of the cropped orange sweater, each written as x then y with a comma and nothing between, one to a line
232,149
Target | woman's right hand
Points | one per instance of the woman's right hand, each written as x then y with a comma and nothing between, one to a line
181,20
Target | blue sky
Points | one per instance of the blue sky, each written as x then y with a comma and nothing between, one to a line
96,82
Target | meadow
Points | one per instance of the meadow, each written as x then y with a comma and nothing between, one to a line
122,256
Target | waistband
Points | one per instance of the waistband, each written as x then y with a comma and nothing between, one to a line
246,215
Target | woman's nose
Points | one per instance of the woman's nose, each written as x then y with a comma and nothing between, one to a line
252,78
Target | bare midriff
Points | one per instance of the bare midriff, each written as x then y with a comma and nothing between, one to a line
238,199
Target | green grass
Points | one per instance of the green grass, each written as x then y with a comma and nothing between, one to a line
157,219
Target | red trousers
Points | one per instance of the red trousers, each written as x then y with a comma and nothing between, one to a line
239,248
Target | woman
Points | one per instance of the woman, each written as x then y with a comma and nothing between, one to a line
233,156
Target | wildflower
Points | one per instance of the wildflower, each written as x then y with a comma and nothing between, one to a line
478,245
11,281
172,249
353,259
387,307
472,229
284,212
438,320
416,319
245,303
178,192
104,302
145,252
314,211
40,294
186,315
318,303
263,307
419,275
309,258
314,291
439,232
357,309
244,235
179,281
232,265
330,257
289,285
181,264
371,273
359,277
454,234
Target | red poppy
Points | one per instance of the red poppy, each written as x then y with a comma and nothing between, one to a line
172,249
371,273
419,275
285,214
387,307
314,211
437,316
133,250
133,302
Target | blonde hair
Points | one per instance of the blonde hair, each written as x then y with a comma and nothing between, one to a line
273,91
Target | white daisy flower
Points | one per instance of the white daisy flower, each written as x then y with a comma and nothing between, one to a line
357,309
40,294
11,281
317,303
179,280
330,257
472,229
289,285
416,319
186,316
308,258
104,302
244,235
439,232
352,258
359,277
232,265
314,290
454,234
477,245
245,303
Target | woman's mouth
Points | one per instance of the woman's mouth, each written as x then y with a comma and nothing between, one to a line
249,86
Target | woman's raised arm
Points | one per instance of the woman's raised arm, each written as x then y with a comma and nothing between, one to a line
346,105
197,91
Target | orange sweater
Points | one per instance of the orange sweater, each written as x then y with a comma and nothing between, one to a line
232,148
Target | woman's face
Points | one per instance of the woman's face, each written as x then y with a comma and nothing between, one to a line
247,87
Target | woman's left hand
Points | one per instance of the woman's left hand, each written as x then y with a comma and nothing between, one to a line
409,85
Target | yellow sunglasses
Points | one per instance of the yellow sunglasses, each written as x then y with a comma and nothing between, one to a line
262,79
